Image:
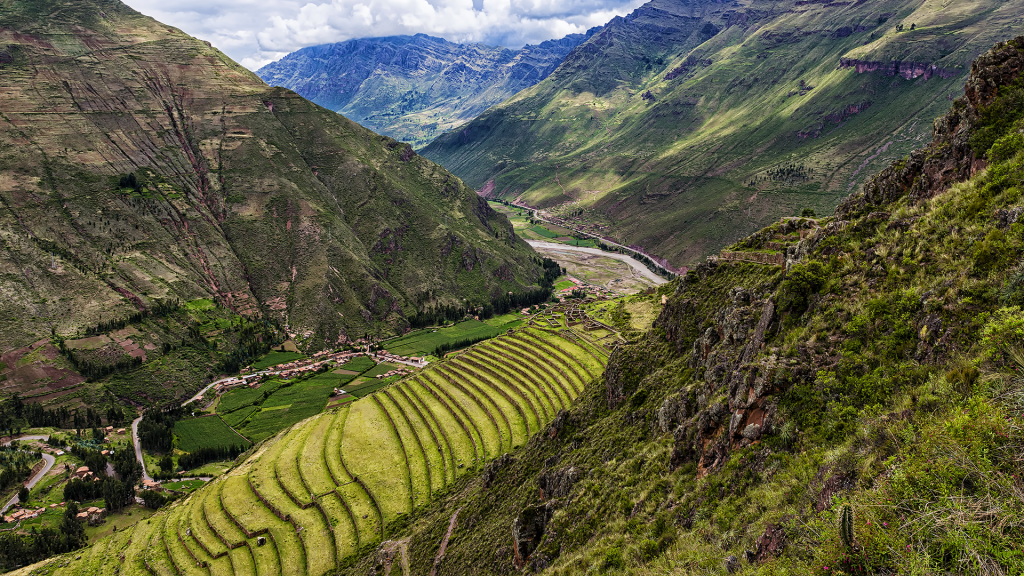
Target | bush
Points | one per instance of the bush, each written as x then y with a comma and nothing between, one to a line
802,281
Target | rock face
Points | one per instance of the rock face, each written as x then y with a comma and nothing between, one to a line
528,530
140,164
413,88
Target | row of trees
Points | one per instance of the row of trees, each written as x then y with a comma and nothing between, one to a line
158,310
197,458
502,304
16,414
156,430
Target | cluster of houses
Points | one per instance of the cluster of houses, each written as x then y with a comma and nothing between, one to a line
92,514
395,372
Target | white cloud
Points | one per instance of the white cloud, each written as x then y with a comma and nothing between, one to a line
256,32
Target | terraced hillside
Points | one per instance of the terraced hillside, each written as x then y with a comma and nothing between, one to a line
327,487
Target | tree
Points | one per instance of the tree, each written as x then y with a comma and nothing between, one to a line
23,495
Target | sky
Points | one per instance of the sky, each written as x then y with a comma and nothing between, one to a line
257,32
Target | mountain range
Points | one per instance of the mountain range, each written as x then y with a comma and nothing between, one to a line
414,88
139,165
687,125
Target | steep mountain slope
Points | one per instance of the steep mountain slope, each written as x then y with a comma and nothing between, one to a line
414,88
138,164
689,124
856,411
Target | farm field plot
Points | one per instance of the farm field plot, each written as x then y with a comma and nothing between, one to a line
262,412
206,432
381,368
275,358
326,484
426,341
359,364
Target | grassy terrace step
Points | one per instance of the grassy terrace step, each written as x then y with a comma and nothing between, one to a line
433,425
551,364
181,556
419,469
266,558
463,447
346,540
558,345
435,385
524,394
512,367
311,461
426,439
196,521
158,560
286,466
373,455
476,407
306,521
396,435
504,405
135,561
563,360
256,519
364,514
220,522
548,404
545,366
242,561
522,383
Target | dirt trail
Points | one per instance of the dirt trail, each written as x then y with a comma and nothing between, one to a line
444,543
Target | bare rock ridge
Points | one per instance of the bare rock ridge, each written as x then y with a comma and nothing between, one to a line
243,193
413,88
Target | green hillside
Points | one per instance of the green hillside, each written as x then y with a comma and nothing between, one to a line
338,483
688,125
140,165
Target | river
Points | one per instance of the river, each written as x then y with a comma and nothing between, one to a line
634,263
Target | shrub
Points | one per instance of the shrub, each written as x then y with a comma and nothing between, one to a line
802,281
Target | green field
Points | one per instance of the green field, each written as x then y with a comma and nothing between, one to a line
422,342
206,432
184,485
564,284
381,368
539,229
288,404
275,358
358,364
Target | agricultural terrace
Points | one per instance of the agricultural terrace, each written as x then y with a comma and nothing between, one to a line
320,490
259,413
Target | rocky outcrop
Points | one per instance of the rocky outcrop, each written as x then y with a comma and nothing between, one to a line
528,529
906,70
557,483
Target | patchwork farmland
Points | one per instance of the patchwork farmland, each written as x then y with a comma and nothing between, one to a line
319,491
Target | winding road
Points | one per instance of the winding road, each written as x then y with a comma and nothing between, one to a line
633,263
138,447
49,462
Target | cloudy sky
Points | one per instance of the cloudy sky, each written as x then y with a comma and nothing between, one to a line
255,32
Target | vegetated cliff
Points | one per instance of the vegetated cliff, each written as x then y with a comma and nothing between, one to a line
138,164
857,410
688,125
414,88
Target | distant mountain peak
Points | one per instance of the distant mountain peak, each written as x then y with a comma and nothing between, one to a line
414,88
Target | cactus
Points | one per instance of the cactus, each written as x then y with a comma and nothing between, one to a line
846,525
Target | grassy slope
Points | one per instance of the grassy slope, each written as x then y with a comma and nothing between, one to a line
252,196
687,172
